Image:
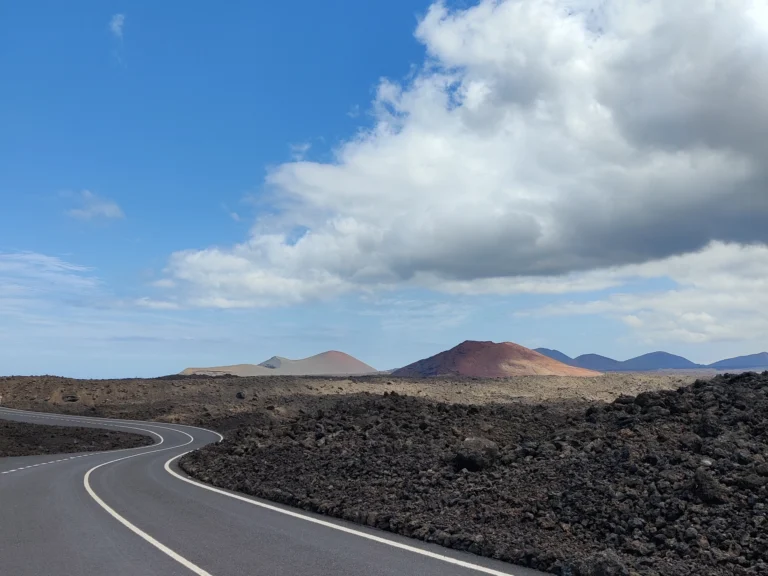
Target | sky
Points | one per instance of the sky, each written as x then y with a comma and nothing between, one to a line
187,186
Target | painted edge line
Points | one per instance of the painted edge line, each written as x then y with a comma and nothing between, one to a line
87,454
352,531
92,419
133,528
86,479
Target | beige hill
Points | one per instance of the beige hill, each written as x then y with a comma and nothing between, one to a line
331,363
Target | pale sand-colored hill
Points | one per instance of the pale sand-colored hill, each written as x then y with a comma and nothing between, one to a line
490,360
331,363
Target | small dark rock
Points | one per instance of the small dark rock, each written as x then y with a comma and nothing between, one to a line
751,482
606,563
708,488
708,427
476,454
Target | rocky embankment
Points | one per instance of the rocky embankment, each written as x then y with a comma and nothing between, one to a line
21,439
665,483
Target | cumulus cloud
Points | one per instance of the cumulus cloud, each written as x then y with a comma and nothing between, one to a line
116,24
541,145
721,294
93,206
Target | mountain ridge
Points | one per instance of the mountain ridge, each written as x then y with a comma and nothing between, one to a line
329,363
658,360
759,360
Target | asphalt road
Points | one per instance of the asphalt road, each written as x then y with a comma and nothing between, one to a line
133,512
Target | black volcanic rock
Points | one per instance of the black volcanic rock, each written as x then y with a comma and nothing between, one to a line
669,483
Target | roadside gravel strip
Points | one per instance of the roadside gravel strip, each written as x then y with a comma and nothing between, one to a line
83,515
665,483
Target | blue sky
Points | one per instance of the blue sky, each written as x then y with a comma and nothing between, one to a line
181,186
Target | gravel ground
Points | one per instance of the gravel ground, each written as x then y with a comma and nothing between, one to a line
21,439
203,400
664,483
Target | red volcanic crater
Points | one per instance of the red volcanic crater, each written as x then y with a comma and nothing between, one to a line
490,360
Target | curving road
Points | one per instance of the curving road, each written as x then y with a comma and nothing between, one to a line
133,512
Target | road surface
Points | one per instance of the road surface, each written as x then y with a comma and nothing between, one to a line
134,513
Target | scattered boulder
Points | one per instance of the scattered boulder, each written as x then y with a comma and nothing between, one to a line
708,488
605,563
476,454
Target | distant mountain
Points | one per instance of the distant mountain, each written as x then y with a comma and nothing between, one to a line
742,362
556,355
588,361
597,362
646,362
489,360
658,361
331,363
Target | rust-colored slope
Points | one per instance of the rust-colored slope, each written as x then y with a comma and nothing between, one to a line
490,360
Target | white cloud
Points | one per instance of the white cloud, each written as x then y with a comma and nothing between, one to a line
721,295
632,320
116,24
28,278
58,317
544,146
399,314
156,304
564,284
93,206
299,151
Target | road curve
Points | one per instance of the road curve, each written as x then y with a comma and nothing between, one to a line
133,512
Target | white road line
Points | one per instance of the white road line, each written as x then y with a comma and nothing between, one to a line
159,545
197,569
365,535
93,419
193,567
133,528
98,453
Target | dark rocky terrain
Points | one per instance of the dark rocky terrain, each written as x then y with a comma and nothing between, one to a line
664,483
21,439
